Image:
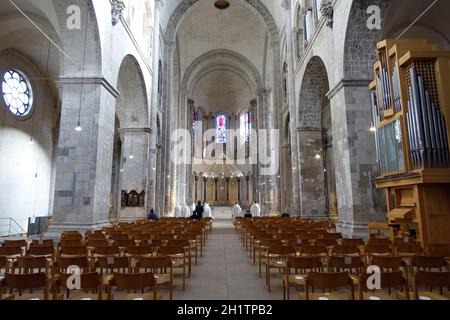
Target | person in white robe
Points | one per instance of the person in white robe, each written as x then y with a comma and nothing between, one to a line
236,211
177,211
207,211
186,211
255,210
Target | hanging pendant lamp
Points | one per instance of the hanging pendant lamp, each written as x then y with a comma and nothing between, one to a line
222,4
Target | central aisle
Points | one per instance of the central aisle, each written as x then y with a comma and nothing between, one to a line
225,271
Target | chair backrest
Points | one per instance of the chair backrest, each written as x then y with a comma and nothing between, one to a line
133,281
25,281
63,263
326,280
42,243
304,263
154,262
178,243
71,243
281,250
71,236
15,243
138,250
107,250
388,280
30,263
352,242
325,242
97,243
121,264
388,263
428,263
431,279
91,280
332,236
10,251
171,250
125,243
340,264
379,242
346,250
119,236
72,251
408,249
383,249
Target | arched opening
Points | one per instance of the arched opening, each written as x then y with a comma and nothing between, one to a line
134,135
311,136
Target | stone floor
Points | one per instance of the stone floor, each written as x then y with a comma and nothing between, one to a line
225,272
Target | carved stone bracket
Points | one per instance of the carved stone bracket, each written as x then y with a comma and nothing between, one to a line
117,7
327,11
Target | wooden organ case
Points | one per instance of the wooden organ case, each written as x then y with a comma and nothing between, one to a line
411,112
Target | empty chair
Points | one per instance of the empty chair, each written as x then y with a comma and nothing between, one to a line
388,281
346,250
352,242
376,250
16,283
388,264
139,251
178,258
11,252
80,251
62,264
379,242
91,288
136,282
330,282
276,259
426,279
162,269
97,243
354,265
42,243
23,244
26,265
297,268
422,263
109,265
42,251
408,250
71,243
106,251
5,265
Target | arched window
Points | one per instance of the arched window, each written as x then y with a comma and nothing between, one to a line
221,128
248,121
194,122
17,93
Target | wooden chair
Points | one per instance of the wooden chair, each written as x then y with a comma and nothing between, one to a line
109,265
28,265
329,281
423,263
23,244
11,252
91,287
376,250
276,259
346,250
22,282
136,281
178,257
162,269
389,280
408,250
68,252
71,243
41,251
42,243
5,266
430,280
388,264
63,263
354,242
302,266
106,251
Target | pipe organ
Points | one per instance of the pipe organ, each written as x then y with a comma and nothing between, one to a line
411,111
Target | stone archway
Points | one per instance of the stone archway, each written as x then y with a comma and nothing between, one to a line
134,131
311,166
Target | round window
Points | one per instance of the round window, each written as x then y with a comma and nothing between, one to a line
17,93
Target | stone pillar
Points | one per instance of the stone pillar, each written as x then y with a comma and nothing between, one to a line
295,206
84,159
355,158
153,149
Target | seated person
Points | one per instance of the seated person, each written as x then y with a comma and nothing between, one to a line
152,215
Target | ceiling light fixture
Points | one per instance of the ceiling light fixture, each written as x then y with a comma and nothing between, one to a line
222,4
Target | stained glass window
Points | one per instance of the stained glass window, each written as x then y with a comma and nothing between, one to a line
194,122
248,125
221,128
17,93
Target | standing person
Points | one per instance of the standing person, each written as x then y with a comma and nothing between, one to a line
236,211
186,211
177,211
255,209
152,216
207,210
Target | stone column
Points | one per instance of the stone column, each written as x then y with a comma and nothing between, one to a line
151,184
84,159
355,158
295,206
